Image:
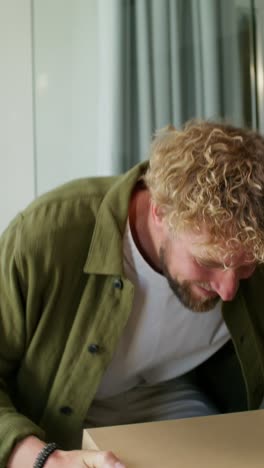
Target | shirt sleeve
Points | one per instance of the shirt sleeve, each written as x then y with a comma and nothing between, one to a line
14,426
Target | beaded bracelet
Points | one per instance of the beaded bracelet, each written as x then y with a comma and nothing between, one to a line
44,454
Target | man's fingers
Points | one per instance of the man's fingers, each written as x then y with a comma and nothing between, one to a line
100,459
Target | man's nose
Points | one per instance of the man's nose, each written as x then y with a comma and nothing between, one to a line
227,285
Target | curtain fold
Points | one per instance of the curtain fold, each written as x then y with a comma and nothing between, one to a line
163,62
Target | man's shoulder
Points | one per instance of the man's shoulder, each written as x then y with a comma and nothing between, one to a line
71,199
85,190
68,214
253,288
63,216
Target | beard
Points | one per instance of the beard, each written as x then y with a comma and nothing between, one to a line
183,290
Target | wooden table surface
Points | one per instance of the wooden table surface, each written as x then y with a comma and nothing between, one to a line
224,441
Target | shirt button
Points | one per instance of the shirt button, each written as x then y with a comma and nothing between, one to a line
118,283
66,410
93,348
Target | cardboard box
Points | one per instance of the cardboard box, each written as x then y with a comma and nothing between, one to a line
233,440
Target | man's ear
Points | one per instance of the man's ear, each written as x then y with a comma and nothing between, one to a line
157,215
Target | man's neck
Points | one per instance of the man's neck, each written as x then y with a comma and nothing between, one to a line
142,227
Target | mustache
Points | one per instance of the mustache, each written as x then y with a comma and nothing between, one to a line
205,286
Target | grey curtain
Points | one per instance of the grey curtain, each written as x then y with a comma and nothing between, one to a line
165,61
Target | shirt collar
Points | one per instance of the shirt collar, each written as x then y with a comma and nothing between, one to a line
105,252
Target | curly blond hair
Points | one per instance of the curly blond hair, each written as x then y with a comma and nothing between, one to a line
211,174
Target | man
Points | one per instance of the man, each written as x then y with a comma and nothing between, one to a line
134,298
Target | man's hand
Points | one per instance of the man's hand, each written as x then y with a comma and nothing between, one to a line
26,451
83,459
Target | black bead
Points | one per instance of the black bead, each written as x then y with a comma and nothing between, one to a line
118,283
44,454
93,348
66,410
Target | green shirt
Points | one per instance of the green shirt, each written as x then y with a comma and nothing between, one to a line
64,301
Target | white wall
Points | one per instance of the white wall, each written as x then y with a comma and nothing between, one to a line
16,129
48,55
66,77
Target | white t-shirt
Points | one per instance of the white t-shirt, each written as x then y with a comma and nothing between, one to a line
162,339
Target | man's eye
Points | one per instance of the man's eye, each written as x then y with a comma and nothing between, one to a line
209,265
201,264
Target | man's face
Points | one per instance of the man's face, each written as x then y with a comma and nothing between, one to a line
199,280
